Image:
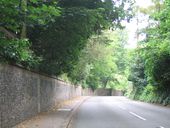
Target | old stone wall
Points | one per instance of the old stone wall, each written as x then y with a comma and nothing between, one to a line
117,93
87,92
103,92
24,94
107,92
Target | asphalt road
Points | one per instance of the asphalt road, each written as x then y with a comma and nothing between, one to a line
120,112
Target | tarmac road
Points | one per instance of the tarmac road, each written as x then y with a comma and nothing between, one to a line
120,112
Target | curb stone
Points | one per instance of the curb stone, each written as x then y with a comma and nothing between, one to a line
74,110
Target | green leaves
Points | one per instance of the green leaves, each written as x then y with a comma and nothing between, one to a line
43,14
67,36
34,1
16,17
98,63
154,52
17,51
59,31
33,12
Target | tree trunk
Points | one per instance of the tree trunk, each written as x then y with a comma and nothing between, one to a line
24,27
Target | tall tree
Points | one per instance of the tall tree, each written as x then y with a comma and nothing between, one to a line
68,35
98,64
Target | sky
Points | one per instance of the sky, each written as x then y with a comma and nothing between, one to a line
143,3
132,26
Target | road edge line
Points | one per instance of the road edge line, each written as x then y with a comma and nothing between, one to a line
75,110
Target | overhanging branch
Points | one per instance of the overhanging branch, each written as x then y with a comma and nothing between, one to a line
7,33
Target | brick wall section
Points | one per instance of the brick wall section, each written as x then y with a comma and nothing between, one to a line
24,94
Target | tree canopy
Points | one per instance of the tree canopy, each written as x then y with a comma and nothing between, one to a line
98,63
16,17
53,36
68,35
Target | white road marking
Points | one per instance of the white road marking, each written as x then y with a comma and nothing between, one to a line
64,109
137,116
160,127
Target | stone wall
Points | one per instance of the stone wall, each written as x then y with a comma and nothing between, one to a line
24,94
87,92
108,92
103,92
117,93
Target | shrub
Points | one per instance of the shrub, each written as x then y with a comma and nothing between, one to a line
17,51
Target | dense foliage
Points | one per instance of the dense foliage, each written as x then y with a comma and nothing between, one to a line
61,43
18,51
60,33
98,65
16,17
152,73
17,13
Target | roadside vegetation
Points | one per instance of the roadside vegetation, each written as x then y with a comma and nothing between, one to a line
150,70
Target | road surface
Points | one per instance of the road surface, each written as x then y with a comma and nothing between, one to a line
119,112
